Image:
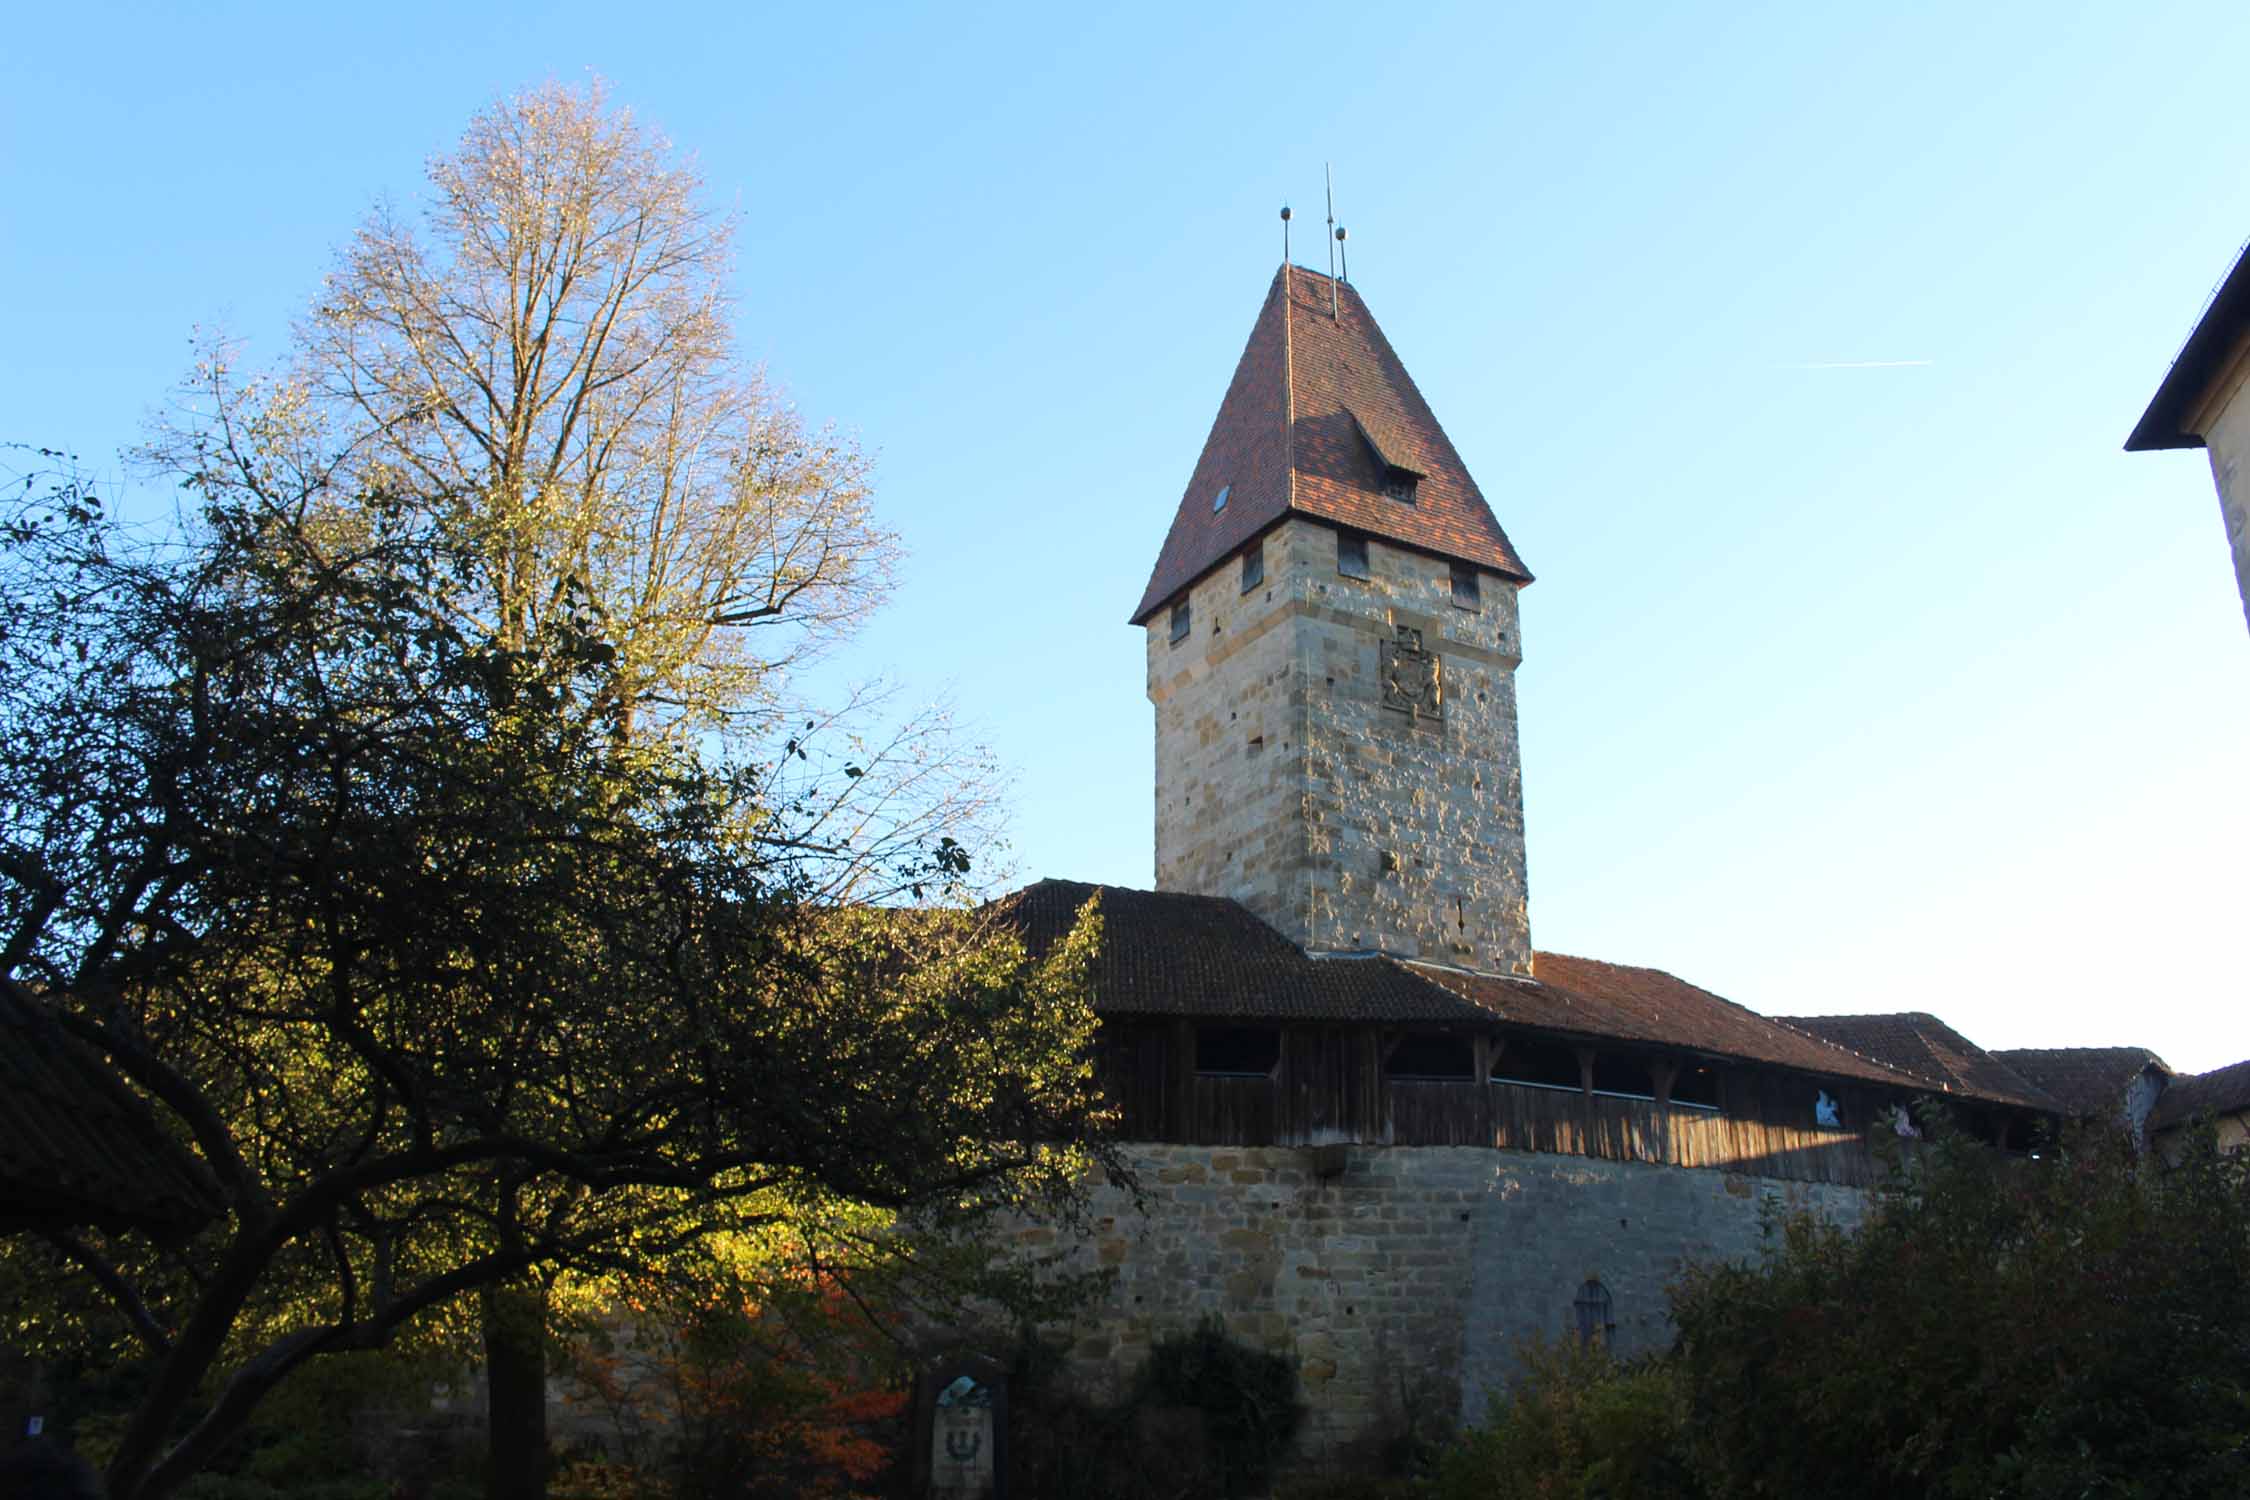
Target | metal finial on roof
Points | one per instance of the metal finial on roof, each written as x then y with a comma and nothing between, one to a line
1345,251
1328,173
1285,234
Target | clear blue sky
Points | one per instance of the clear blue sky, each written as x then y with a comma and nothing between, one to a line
1845,688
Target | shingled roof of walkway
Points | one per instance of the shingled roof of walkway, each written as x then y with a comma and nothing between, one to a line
1170,954
2087,1082
1918,1043
2222,1091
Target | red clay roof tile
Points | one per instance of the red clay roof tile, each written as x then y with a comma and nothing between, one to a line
2085,1081
1917,1042
1165,953
1292,437
2222,1091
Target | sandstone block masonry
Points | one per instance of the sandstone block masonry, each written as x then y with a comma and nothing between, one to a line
1284,779
1407,1277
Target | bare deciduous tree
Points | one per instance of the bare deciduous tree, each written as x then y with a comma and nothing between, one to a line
547,346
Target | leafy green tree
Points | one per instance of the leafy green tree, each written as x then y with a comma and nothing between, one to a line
2073,1325
445,982
1577,1423
544,356
541,364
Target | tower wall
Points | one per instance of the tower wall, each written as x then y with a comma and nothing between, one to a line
1285,780
1230,739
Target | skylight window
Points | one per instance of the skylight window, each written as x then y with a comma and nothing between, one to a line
1219,501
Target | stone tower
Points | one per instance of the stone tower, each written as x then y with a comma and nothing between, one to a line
1332,650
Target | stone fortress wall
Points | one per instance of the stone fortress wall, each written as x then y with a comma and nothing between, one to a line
1285,780
1409,1275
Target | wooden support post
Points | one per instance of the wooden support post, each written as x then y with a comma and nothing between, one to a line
1181,1126
1482,1049
1664,1072
1588,1144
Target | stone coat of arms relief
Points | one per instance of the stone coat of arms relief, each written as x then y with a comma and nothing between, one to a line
1413,678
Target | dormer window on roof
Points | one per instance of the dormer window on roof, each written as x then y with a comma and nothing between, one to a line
1397,477
1321,421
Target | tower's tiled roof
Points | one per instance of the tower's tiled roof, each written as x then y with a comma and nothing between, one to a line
1315,399
2086,1081
1917,1042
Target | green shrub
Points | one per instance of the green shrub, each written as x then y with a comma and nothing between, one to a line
1577,1424
1246,1398
2073,1325
1205,1416
1353,1487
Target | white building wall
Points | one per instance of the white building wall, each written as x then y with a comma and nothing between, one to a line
2223,420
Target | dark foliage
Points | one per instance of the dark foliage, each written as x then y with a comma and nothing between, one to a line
1247,1399
442,983
2074,1325
1578,1422
1206,1416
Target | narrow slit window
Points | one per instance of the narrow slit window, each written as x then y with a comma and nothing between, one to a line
1351,554
1253,567
1466,593
1432,1058
1237,1051
1183,620
1594,1313
1539,1065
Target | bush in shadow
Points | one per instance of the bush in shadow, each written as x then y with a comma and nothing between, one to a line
1577,1423
1205,1417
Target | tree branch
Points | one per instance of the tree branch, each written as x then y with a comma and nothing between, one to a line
119,1291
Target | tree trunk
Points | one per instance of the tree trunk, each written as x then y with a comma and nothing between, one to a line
515,1368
